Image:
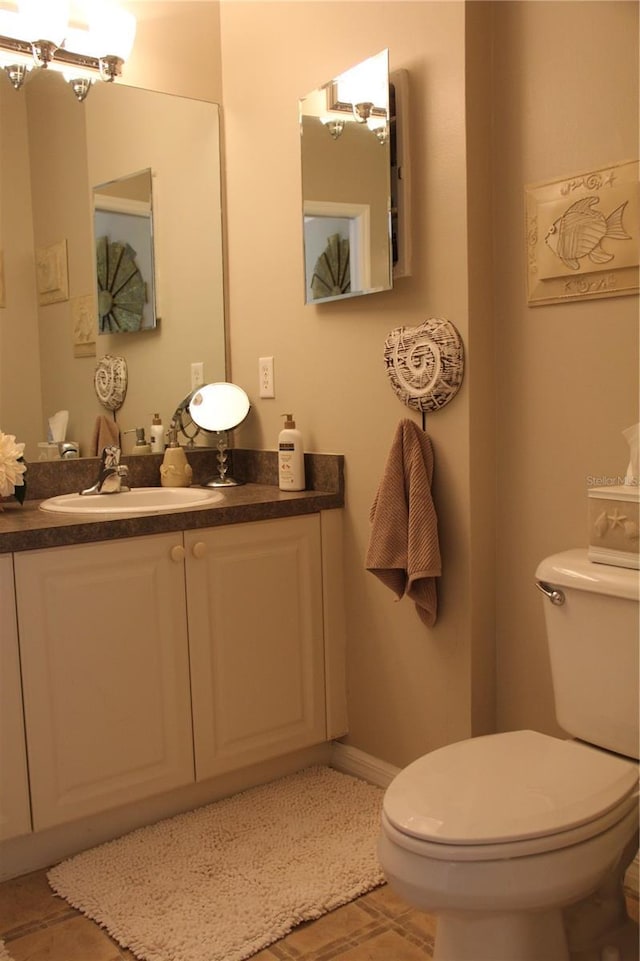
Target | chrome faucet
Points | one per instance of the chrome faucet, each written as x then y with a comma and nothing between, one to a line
112,474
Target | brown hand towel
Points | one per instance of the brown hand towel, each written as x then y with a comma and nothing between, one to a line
403,547
105,434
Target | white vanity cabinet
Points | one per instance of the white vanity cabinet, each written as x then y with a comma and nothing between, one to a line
14,789
254,599
105,673
152,662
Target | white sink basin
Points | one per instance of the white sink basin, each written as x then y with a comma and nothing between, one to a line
140,500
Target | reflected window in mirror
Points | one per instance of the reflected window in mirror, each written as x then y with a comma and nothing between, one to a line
123,230
346,183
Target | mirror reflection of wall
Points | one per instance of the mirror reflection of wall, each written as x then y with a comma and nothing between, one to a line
52,151
345,156
123,231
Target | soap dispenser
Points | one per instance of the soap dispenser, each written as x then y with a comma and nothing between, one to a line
141,446
175,470
157,435
290,457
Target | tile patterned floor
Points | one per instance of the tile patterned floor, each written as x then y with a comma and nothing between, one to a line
37,925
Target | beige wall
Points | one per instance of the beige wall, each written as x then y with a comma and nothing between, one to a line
547,389
409,687
568,375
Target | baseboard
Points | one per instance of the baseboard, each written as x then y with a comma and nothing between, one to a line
351,760
32,852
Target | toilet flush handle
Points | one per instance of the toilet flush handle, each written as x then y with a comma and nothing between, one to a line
555,596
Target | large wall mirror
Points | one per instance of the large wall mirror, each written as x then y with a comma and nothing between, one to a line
57,157
346,183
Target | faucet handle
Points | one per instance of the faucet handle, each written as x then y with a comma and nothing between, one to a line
110,456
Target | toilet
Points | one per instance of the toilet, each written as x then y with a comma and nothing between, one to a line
518,842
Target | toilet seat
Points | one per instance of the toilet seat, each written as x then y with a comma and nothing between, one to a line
508,795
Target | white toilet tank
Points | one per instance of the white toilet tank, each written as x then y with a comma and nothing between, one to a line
593,637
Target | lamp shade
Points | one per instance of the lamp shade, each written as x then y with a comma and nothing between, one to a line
44,19
112,30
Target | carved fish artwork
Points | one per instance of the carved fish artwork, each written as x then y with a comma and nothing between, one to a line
580,230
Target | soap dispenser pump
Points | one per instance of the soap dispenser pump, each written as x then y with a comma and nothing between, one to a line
175,470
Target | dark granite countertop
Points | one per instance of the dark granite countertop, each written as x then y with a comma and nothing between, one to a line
26,527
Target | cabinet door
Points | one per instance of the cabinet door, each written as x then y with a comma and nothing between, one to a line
15,818
254,599
106,674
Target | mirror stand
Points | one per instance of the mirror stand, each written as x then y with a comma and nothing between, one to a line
222,479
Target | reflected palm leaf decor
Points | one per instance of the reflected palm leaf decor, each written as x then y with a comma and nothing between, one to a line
121,287
331,274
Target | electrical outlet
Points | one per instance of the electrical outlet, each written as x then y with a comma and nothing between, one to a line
197,375
267,384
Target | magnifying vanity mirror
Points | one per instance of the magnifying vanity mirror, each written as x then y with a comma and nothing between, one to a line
345,136
60,159
218,408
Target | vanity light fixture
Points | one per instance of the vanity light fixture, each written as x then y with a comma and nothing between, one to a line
362,111
335,127
379,127
375,121
38,35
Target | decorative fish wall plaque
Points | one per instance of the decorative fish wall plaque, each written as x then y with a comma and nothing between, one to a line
579,233
583,235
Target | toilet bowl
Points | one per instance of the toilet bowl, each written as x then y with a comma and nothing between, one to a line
496,835
518,842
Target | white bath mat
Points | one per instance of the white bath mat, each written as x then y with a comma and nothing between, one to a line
224,881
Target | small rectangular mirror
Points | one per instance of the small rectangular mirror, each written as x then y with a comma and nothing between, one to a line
123,230
346,184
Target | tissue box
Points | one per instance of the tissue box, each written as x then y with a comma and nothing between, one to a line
614,525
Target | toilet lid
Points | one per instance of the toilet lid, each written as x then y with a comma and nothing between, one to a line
506,787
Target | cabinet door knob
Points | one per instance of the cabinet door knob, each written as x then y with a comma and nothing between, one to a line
199,549
177,552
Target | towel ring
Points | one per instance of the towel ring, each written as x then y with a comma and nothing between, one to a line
425,364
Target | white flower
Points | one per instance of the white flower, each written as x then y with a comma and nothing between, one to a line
11,467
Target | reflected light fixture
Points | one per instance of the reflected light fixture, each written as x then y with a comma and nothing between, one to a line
37,35
362,111
378,126
333,125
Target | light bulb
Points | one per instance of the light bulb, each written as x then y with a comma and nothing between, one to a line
12,25
112,30
44,19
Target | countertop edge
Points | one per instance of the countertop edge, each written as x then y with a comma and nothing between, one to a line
25,527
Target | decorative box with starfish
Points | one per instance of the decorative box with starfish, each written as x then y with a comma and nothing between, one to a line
614,523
